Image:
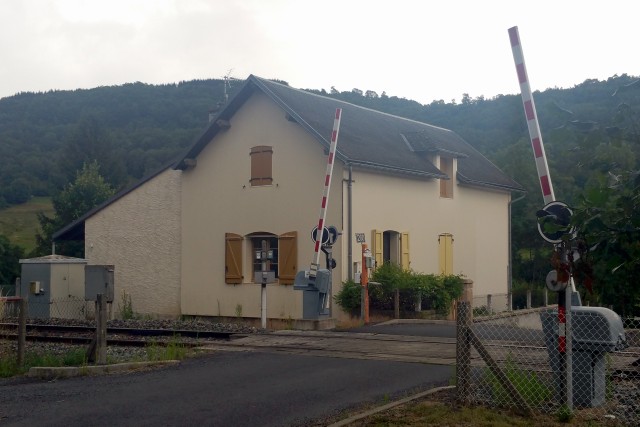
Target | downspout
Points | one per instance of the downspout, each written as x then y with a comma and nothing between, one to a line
509,267
350,224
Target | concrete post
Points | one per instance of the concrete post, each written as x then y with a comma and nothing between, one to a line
489,303
528,298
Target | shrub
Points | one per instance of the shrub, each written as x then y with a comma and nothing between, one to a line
349,297
440,290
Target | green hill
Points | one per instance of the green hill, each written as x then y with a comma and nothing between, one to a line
20,223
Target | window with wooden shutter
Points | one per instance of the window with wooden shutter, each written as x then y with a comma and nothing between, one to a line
405,261
233,258
377,246
446,185
261,165
445,242
271,243
288,253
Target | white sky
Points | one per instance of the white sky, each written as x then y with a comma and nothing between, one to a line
421,50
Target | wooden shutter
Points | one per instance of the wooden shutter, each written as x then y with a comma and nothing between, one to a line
445,242
376,246
287,257
405,261
261,167
233,258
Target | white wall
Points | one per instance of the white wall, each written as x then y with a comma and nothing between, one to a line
477,219
217,198
140,235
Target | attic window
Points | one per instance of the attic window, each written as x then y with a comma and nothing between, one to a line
446,185
261,165
417,142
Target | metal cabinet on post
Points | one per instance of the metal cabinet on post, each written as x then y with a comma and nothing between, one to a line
595,331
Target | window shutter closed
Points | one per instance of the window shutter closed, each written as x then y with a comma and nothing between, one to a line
446,253
233,258
405,261
288,257
376,246
261,166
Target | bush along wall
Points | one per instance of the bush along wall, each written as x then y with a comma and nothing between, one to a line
437,291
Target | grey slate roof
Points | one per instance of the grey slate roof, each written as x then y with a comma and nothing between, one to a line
368,138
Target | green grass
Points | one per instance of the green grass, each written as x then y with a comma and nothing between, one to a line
20,223
9,366
172,351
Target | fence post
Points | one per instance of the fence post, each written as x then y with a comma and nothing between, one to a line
546,296
22,330
396,303
489,303
101,329
528,298
463,350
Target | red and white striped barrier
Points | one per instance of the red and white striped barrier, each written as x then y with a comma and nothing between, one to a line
532,118
325,195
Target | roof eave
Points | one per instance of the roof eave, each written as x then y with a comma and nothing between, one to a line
476,183
396,170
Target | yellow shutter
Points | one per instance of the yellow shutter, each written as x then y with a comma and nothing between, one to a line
233,258
288,257
405,261
376,246
446,253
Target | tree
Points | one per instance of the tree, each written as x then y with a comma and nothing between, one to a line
9,261
19,191
91,142
607,215
87,191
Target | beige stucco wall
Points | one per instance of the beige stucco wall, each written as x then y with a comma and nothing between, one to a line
477,219
140,235
217,198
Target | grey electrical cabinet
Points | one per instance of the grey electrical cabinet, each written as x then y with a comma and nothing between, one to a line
595,331
98,279
53,286
315,293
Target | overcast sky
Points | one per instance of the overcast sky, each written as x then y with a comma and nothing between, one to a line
421,50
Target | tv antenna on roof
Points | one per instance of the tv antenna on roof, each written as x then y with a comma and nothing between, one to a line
227,84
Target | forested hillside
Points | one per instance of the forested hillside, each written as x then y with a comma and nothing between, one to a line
590,131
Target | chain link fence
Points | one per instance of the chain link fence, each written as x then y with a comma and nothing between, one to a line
514,360
70,308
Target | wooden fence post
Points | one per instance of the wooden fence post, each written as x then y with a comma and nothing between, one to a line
101,329
22,330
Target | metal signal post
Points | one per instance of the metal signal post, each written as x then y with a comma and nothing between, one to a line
564,291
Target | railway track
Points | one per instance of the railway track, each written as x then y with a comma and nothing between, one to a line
81,335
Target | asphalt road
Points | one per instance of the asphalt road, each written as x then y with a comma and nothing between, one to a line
220,389
437,329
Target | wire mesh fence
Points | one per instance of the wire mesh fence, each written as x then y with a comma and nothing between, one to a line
70,308
517,360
